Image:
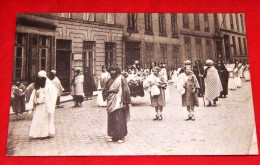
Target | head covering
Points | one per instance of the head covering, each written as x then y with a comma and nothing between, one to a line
53,71
187,62
209,62
42,73
158,69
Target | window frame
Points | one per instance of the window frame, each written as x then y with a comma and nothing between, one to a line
234,45
231,21
196,22
187,47
107,20
185,21
162,24
174,25
85,16
206,22
148,19
132,22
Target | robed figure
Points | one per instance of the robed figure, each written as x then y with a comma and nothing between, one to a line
224,76
89,84
118,98
213,85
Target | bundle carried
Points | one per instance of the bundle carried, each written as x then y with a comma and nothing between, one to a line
135,84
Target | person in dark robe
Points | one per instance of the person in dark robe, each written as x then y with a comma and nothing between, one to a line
197,70
117,94
89,84
223,75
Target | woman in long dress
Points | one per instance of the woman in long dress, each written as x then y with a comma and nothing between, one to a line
77,90
42,102
159,83
104,77
18,99
190,97
223,75
237,74
231,81
247,72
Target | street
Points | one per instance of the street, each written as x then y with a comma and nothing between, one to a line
225,129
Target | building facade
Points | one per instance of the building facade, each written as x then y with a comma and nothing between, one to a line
63,41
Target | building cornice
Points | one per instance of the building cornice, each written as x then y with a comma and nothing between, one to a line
232,31
196,34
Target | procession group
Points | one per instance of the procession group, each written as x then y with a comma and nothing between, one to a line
115,89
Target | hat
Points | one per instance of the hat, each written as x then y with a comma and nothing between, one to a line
77,69
53,71
209,62
187,62
42,73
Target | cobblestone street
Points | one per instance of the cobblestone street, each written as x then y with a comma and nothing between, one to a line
225,129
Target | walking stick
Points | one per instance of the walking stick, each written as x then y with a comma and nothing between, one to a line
201,87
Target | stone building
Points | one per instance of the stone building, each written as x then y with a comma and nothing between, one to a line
64,41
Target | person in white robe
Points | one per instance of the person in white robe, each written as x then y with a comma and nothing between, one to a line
237,74
231,80
42,102
104,77
77,90
247,72
163,73
56,82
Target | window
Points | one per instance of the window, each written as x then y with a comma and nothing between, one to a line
132,23
148,24
89,16
237,23
199,48
242,23
43,58
187,47
234,45
110,18
206,22
164,52
66,15
88,55
208,48
162,25
224,21
19,51
196,22
240,46
109,54
176,57
185,18
216,23
149,52
174,25
245,46
231,21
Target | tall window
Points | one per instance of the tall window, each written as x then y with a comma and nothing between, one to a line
149,52
208,48
224,20
132,22
196,22
109,54
164,52
237,23
89,16
187,47
216,25
66,15
240,46
242,23
110,18
231,21
88,55
199,48
234,45
174,25
176,58
43,48
206,22
245,46
148,24
19,55
162,25
185,18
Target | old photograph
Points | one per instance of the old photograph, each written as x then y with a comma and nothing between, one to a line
94,84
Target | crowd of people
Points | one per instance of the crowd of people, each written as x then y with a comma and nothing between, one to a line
210,80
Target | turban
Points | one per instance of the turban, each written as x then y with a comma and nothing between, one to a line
209,62
42,73
187,62
53,71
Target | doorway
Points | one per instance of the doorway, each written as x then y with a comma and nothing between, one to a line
227,47
132,52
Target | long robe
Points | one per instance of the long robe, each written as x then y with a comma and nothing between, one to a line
77,90
43,102
18,101
198,69
224,76
213,85
117,107
56,82
189,98
247,73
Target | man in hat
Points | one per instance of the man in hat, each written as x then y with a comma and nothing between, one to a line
77,90
213,85
56,82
